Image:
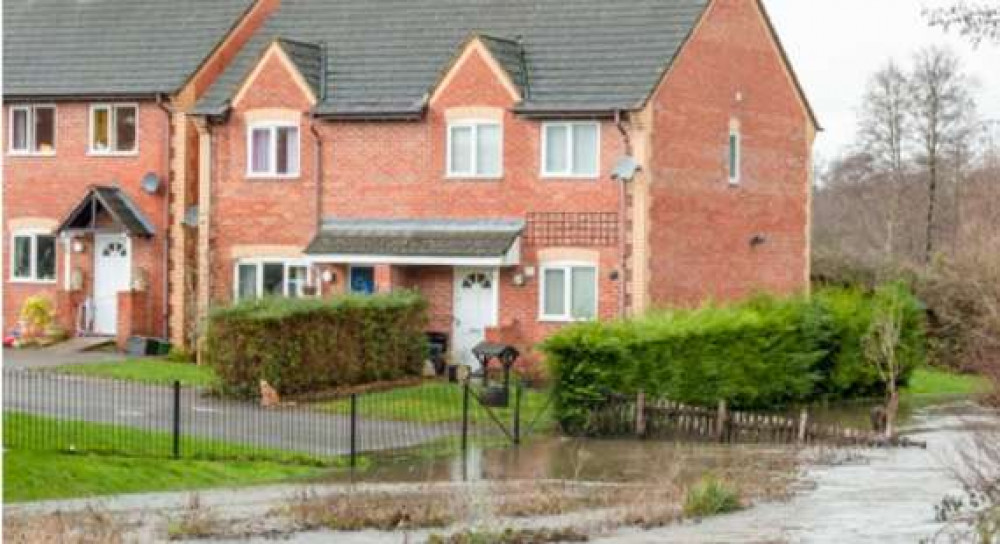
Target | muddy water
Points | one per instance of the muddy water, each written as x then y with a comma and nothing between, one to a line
889,497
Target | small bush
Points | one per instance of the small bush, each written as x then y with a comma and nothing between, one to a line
38,315
710,497
307,345
760,354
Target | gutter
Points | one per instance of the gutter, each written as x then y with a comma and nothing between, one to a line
623,282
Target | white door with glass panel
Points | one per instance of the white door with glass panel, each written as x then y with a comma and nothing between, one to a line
475,309
112,274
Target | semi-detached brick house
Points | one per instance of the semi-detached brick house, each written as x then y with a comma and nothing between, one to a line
525,164
97,152
522,163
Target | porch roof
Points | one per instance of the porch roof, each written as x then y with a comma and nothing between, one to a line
116,203
418,241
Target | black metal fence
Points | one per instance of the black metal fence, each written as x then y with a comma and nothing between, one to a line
56,412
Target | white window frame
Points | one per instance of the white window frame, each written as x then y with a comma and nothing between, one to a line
32,149
570,139
33,257
272,172
567,268
734,164
473,124
259,263
112,150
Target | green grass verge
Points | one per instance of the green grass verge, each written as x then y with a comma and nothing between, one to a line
440,402
34,475
39,433
927,381
148,370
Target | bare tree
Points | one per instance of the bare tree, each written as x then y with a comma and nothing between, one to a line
979,21
883,137
941,115
881,344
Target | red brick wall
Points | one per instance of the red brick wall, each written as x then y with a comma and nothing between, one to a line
700,227
397,170
49,187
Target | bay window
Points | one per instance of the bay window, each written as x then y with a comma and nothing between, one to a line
113,129
32,130
570,150
272,150
270,278
475,149
33,257
568,292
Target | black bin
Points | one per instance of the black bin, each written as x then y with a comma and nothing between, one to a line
438,344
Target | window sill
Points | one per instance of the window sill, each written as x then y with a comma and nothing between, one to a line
563,320
31,154
28,281
273,177
457,177
113,153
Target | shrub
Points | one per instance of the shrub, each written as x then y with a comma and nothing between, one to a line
760,354
710,497
38,315
306,345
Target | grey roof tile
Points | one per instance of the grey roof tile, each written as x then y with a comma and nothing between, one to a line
116,203
416,238
581,54
109,47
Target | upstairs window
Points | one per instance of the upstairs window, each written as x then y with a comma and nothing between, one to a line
33,257
256,279
568,292
734,157
570,150
113,129
475,150
273,150
32,130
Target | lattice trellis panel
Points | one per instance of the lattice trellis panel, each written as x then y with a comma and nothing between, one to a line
572,229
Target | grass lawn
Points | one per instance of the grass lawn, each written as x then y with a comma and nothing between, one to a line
39,433
146,370
109,459
934,381
439,402
35,475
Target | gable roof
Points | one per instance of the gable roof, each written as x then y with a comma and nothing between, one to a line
116,203
308,59
510,55
54,48
385,56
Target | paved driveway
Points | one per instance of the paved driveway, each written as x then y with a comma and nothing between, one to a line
151,407
66,353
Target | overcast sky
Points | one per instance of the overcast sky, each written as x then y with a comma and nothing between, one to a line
835,46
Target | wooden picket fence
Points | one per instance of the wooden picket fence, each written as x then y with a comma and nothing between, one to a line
657,418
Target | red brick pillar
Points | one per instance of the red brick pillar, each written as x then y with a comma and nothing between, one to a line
131,316
67,306
384,278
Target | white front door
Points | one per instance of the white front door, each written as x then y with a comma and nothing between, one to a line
112,274
475,310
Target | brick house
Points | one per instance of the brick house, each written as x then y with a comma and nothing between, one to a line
98,155
524,164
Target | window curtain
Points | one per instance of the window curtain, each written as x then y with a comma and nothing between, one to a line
247,281
261,150
555,292
19,136
584,293
488,150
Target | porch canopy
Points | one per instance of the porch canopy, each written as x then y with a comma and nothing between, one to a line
455,242
102,204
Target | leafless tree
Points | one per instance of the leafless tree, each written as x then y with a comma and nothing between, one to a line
979,21
881,343
942,118
883,136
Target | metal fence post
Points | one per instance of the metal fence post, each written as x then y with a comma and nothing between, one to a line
354,430
517,412
177,420
465,418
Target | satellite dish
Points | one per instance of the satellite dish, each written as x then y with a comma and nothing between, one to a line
151,183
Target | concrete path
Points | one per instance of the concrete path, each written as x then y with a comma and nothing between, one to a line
66,353
151,407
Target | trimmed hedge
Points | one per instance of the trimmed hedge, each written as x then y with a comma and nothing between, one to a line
760,354
307,345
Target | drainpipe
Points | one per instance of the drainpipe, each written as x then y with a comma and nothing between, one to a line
168,112
622,210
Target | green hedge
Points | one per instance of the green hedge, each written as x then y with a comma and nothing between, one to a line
305,345
761,354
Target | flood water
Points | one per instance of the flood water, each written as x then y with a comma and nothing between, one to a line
858,496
